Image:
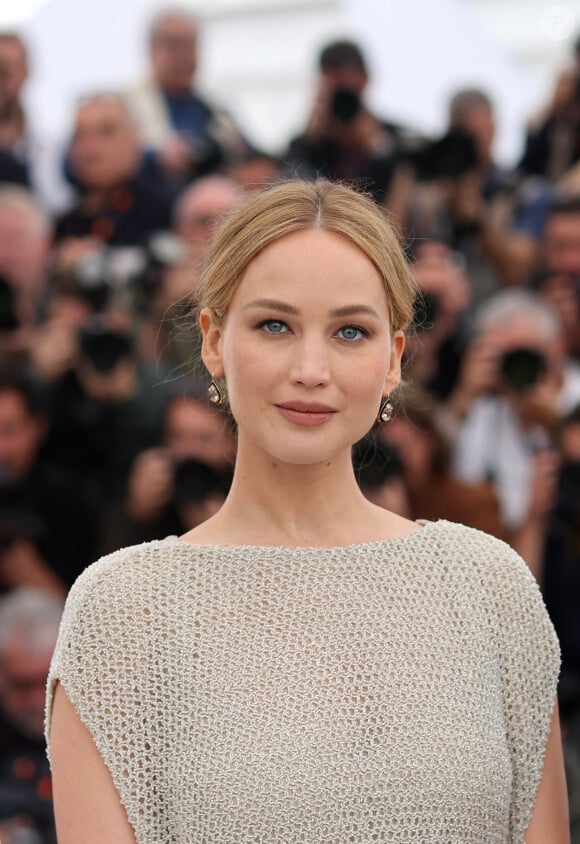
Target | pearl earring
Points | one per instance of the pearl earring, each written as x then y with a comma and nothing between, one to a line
215,395
386,410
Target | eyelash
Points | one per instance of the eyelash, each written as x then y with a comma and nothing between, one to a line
265,322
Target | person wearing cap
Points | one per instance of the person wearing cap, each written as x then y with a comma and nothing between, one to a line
344,140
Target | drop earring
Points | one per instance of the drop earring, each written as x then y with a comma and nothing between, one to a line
386,410
215,395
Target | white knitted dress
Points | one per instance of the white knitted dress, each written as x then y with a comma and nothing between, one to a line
395,692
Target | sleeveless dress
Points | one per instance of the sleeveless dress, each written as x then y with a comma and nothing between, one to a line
397,691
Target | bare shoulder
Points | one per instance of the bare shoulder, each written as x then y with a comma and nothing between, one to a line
210,532
392,526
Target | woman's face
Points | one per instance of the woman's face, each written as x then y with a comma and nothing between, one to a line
306,348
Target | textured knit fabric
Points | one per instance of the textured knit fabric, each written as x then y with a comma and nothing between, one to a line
396,691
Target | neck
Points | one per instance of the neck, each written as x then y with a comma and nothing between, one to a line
95,198
286,504
176,90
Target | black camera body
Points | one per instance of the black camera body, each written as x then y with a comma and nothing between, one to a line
345,105
522,368
104,347
450,157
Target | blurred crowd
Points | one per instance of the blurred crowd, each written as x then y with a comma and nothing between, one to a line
106,434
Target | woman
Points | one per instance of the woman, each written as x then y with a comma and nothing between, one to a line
306,666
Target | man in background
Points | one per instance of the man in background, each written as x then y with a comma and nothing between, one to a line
25,234
189,136
27,155
343,140
118,204
47,528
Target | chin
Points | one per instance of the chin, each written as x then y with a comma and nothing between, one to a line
312,454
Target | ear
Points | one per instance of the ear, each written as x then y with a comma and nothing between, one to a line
211,344
393,378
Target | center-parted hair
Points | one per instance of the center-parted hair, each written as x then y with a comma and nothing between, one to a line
298,206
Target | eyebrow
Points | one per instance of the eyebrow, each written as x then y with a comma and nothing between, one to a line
283,307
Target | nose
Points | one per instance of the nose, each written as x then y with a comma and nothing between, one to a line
310,363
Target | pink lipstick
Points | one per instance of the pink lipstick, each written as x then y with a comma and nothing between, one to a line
308,414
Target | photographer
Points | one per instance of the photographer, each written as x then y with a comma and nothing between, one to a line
117,204
553,140
559,282
46,527
24,248
164,334
29,156
189,136
508,402
105,406
462,197
181,480
344,140
433,353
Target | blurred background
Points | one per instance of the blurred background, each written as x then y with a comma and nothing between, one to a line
128,130
258,56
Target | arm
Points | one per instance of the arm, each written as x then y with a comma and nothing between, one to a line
86,803
514,254
549,823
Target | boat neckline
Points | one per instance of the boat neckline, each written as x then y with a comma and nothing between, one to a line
424,527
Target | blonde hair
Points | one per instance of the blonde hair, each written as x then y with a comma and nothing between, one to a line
295,206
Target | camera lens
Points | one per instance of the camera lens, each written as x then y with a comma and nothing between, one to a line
345,104
521,368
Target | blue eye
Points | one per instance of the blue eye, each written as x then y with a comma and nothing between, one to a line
274,326
351,332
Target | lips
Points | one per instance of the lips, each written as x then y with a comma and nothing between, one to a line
307,407
307,414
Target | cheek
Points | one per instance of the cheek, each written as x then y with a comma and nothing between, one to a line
247,371
369,375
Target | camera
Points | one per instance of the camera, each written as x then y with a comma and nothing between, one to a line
138,269
345,105
450,157
522,368
104,347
